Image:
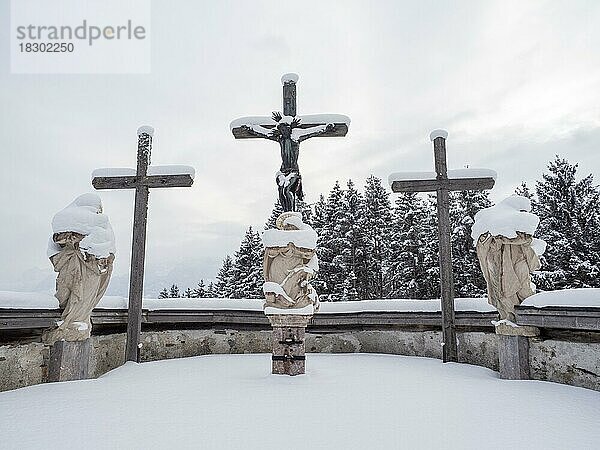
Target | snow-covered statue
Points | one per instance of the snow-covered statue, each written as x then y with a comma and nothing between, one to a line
81,249
508,253
290,262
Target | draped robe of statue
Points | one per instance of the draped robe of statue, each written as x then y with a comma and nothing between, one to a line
288,269
81,282
81,249
507,264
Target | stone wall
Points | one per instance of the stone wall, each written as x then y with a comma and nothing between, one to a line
574,363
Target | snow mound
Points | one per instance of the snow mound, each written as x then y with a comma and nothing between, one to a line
172,170
304,237
145,129
156,405
289,78
506,218
281,238
152,170
308,310
84,216
113,172
438,133
582,298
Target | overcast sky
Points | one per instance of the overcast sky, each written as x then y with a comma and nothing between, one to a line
513,82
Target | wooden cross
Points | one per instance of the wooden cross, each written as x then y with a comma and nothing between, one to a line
289,130
142,179
442,181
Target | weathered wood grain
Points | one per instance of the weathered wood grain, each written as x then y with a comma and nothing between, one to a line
584,319
69,361
151,181
513,355
449,346
455,184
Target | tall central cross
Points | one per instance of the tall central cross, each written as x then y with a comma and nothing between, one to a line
289,130
142,179
442,181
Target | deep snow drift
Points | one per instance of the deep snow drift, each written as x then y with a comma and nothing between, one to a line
353,401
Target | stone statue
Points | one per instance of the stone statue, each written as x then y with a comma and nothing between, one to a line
290,262
81,250
507,264
288,133
507,253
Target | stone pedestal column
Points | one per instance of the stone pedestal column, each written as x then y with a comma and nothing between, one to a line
69,360
288,343
513,350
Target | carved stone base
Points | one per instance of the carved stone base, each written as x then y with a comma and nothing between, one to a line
288,355
69,360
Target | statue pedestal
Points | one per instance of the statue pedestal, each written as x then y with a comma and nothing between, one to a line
288,343
513,350
69,360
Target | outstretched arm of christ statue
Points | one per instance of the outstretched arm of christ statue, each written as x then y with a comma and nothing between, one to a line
302,134
260,131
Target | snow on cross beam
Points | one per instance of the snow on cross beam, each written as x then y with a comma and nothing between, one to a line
457,180
156,177
242,127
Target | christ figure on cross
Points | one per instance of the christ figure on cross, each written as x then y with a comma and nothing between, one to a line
289,130
289,135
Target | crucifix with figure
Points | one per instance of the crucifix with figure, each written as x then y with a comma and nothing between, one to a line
442,181
289,130
141,179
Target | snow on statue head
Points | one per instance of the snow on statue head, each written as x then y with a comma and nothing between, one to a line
508,253
81,249
290,262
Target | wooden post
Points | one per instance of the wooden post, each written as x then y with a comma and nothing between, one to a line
289,98
513,355
138,251
69,360
449,347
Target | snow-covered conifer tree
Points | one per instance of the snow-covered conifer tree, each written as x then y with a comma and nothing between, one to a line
247,269
331,277
376,228
406,276
200,290
350,241
174,291
468,278
223,287
569,223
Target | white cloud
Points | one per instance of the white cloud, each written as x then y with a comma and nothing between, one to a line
513,82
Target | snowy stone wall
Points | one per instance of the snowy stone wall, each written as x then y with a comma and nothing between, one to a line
574,363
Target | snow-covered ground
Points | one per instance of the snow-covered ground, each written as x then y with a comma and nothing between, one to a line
352,401
46,300
566,298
